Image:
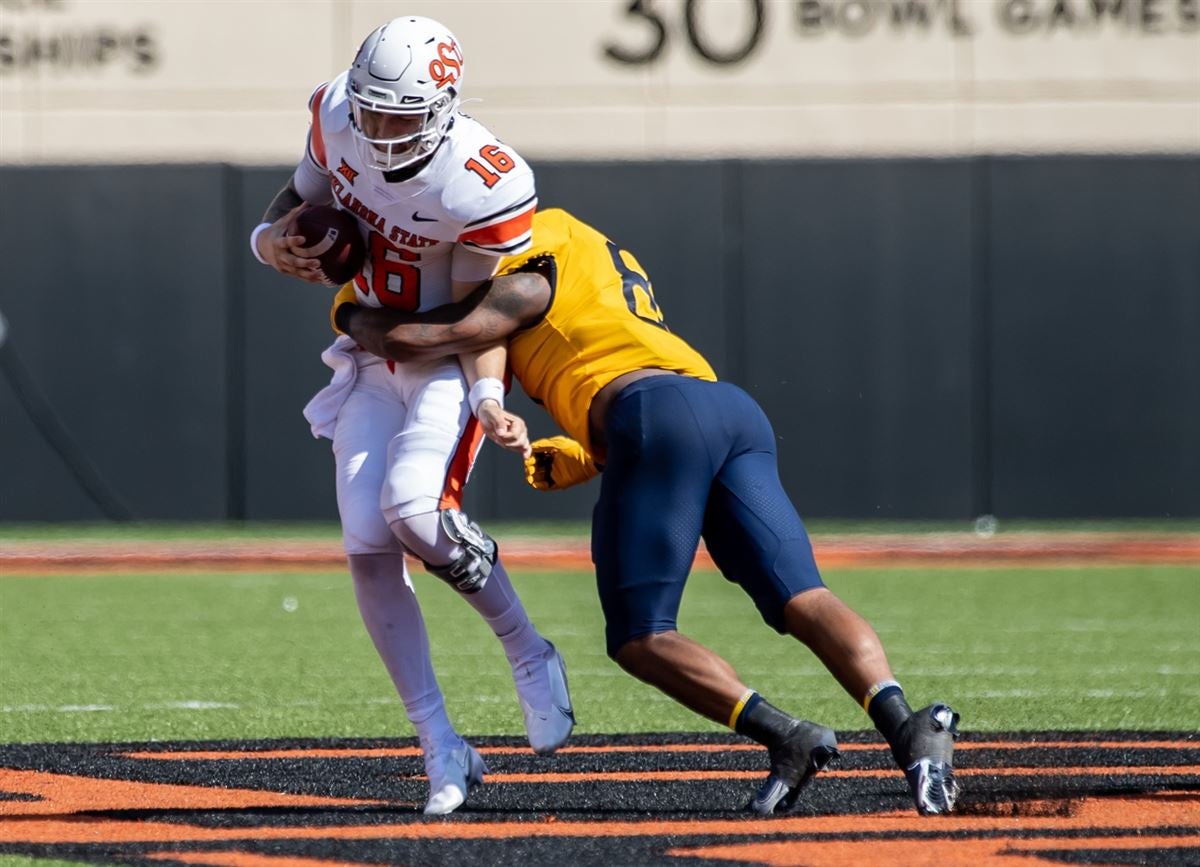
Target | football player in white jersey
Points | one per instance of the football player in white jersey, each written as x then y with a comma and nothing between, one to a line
439,200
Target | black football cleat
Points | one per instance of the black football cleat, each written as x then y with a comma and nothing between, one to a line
806,749
924,749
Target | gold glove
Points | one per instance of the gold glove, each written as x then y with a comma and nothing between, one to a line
558,463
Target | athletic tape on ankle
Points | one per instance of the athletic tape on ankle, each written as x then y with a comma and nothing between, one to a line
737,708
875,690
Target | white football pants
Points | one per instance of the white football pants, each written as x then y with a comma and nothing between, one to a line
404,445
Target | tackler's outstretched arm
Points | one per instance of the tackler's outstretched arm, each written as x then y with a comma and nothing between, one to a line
487,316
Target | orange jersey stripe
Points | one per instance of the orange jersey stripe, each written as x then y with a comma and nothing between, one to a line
461,464
502,233
316,141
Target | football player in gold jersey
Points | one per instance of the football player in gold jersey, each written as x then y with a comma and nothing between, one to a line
683,457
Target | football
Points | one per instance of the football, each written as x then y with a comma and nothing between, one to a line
334,239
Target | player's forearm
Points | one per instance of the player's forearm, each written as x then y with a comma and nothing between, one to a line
395,335
285,200
443,331
488,363
484,371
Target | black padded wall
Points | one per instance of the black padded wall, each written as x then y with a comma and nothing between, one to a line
931,338
114,291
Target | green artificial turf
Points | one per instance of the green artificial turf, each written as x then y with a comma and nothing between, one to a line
327,530
257,655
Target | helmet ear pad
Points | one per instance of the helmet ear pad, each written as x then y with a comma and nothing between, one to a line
410,66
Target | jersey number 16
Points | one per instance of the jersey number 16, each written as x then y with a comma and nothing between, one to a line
389,276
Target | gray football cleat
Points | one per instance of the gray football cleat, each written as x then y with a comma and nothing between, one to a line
925,750
545,700
453,774
808,748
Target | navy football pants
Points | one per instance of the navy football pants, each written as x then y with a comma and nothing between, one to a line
688,458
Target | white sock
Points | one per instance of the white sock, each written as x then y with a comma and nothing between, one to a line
393,619
499,605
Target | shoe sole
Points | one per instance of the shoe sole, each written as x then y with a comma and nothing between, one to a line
933,786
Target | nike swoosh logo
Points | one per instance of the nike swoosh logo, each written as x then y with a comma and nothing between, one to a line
417,218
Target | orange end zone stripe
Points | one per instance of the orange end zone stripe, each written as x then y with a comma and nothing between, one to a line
408,752
989,852
245,859
1138,815
66,794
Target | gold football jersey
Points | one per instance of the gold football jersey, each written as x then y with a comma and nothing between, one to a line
602,322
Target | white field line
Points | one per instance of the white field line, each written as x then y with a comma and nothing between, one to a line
186,705
1087,693
196,705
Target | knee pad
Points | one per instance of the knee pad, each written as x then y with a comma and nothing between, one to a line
469,571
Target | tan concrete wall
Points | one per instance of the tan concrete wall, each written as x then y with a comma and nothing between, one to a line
196,80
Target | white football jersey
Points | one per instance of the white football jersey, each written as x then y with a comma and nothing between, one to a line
475,191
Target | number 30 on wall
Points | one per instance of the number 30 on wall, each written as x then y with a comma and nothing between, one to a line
640,11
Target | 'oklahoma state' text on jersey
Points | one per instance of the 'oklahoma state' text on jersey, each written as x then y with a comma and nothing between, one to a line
602,322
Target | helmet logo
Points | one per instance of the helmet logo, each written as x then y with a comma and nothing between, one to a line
447,67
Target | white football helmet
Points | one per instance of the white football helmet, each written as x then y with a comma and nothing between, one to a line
403,87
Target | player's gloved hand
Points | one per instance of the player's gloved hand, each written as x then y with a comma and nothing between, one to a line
557,463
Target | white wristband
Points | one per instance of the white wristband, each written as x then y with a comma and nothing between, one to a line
258,230
488,388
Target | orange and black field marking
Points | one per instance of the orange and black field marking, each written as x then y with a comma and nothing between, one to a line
854,550
1028,799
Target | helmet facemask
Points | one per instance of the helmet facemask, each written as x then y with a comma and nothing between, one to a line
390,137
